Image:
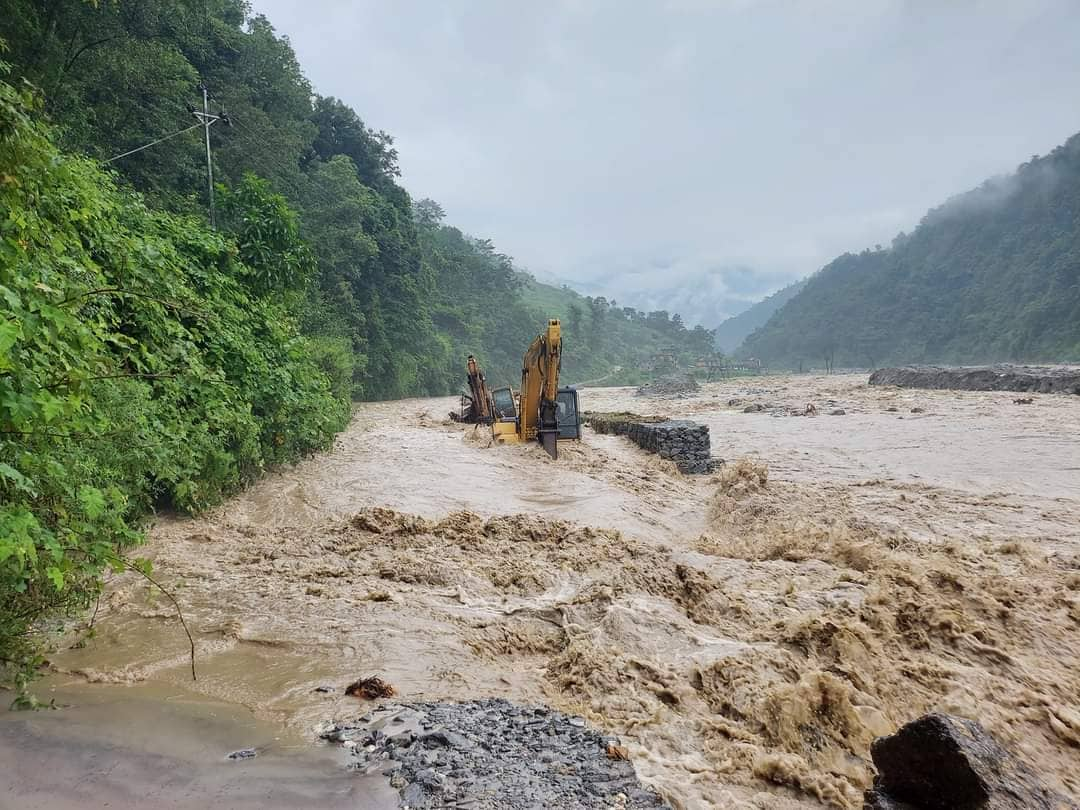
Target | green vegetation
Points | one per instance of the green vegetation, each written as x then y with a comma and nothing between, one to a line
992,275
144,359
620,343
149,361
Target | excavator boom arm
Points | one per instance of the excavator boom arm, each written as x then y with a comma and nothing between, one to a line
539,387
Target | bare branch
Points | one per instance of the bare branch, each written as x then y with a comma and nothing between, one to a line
172,599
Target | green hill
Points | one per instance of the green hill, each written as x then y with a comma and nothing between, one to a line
615,344
991,275
733,331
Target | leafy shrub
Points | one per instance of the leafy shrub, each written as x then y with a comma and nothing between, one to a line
145,361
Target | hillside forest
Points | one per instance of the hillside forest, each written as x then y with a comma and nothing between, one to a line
151,359
991,275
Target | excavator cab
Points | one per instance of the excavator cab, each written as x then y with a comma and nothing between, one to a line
567,413
502,400
505,410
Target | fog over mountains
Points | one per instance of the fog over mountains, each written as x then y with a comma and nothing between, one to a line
702,295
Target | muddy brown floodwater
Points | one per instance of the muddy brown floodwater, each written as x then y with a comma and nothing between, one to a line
747,634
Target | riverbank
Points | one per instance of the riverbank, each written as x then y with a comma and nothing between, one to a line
1004,377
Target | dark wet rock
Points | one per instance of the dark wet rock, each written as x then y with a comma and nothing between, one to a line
879,801
488,754
243,753
413,795
756,407
1040,379
837,412
941,762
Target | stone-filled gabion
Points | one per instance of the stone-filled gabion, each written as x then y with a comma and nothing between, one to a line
679,440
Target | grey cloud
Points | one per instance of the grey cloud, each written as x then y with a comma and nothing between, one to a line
596,140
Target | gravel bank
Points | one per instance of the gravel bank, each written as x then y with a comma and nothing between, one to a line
492,754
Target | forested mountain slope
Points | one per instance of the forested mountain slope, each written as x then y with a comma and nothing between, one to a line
733,331
991,275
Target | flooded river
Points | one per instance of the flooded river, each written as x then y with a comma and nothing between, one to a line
747,633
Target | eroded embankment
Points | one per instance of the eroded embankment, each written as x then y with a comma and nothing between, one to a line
1040,379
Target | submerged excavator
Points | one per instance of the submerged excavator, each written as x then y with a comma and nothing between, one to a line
475,405
540,411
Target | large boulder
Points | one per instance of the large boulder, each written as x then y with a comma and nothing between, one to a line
941,762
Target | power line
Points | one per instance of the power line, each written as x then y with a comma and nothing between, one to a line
289,186
153,143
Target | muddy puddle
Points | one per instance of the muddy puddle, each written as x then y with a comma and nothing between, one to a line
152,745
747,633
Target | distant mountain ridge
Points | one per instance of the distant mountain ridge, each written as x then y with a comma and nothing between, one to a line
992,275
700,291
732,332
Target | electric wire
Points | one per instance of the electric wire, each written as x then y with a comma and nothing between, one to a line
153,143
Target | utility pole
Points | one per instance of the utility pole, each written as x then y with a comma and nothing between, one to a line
208,119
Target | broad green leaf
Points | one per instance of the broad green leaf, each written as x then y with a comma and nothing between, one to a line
20,481
92,501
56,576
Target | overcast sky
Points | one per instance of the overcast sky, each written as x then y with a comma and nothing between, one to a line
641,148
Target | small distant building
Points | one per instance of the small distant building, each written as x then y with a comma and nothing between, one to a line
664,360
712,365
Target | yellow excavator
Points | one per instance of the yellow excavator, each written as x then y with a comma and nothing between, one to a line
475,405
544,411
541,410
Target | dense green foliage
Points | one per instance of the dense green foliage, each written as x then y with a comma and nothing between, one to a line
148,360
991,275
144,360
734,330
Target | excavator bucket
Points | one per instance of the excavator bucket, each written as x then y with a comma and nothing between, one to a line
548,432
549,439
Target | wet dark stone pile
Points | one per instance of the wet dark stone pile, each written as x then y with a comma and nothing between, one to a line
1039,379
673,385
679,440
487,754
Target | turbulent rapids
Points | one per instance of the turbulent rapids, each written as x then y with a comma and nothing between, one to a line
746,635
